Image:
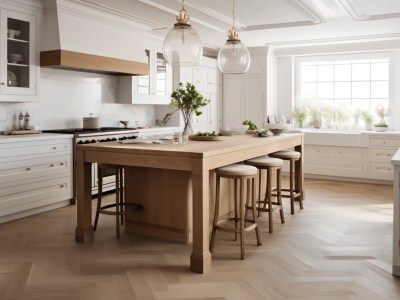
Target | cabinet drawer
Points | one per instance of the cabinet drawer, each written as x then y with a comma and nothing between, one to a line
381,155
379,170
17,151
385,142
44,193
25,169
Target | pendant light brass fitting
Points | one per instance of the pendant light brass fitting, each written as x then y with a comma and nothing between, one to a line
233,36
182,19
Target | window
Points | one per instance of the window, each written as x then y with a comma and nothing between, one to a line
351,83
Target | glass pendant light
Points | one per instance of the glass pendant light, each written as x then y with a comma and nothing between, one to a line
182,45
233,57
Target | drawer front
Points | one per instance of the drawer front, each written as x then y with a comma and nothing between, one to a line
385,142
383,171
18,151
59,190
31,192
18,171
381,154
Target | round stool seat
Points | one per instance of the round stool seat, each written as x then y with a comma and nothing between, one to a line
265,162
237,170
286,154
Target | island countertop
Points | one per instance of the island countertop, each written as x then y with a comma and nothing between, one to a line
196,158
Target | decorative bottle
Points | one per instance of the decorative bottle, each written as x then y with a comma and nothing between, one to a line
21,121
27,116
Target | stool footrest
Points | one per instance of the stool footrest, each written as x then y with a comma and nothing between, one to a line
231,229
129,208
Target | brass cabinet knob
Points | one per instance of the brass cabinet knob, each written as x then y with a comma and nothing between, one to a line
28,169
61,164
52,165
61,186
54,148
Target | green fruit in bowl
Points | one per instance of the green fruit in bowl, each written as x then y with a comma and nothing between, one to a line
262,133
251,125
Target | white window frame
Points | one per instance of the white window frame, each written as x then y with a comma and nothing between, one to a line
344,56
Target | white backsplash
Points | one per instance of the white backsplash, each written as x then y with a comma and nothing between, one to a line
67,96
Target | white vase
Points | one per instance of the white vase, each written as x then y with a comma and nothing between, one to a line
368,126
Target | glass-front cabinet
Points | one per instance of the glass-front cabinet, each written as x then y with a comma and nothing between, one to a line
18,66
154,88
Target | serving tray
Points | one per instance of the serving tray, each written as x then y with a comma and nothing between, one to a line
205,138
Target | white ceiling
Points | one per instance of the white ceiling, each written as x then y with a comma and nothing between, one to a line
264,22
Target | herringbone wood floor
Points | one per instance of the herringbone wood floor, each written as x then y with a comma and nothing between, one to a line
338,247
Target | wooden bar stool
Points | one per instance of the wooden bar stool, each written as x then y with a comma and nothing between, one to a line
242,174
291,156
270,165
121,207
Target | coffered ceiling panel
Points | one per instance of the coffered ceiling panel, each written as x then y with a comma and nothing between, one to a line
259,20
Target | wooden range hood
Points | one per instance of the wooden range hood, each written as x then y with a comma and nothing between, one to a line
69,60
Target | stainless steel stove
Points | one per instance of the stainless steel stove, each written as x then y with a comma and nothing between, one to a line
101,135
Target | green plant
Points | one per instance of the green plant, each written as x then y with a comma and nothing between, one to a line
365,115
315,115
381,125
188,101
300,115
382,112
251,125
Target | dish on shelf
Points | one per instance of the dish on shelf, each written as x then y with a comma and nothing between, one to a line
205,138
14,58
11,79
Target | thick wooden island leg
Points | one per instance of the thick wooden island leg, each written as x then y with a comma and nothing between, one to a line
299,171
84,228
200,260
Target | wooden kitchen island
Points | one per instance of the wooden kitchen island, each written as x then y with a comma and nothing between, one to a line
197,159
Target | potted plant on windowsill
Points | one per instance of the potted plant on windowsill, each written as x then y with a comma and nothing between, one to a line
189,101
299,116
382,112
367,118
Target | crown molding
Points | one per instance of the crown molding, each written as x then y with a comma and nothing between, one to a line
277,25
308,10
175,12
33,5
354,9
102,14
352,39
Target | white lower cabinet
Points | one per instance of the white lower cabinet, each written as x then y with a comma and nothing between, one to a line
336,161
35,176
370,161
381,150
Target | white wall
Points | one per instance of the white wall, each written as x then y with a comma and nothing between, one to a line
67,96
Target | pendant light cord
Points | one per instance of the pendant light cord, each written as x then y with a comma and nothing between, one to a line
233,14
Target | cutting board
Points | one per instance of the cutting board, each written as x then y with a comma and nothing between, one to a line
15,132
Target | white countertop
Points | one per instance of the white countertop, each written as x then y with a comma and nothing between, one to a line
33,137
396,159
52,136
341,137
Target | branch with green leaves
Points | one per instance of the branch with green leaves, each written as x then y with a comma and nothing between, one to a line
188,100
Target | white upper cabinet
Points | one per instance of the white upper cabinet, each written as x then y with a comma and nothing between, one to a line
207,79
244,95
18,57
154,88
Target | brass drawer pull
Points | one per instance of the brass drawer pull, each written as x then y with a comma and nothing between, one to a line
54,148
52,165
28,169
61,164
61,186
